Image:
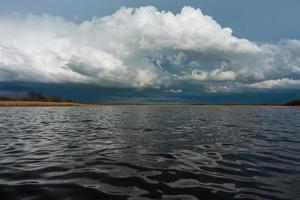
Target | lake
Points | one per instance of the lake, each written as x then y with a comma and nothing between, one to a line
150,152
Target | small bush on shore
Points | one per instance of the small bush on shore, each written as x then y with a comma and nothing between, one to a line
293,103
54,99
3,98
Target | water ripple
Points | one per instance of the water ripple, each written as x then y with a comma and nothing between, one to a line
149,153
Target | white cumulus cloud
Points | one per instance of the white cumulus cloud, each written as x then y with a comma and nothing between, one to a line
277,83
143,48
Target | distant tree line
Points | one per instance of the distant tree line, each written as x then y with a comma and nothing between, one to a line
34,96
295,102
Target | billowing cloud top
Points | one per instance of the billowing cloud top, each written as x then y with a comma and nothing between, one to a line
143,48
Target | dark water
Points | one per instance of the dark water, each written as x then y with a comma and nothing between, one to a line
149,153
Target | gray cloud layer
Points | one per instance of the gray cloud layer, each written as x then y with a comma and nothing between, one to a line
143,48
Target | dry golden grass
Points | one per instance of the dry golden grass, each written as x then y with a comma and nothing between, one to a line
36,104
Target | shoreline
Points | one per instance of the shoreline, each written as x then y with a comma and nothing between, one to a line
38,104
73,104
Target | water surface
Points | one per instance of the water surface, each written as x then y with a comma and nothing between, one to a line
150,152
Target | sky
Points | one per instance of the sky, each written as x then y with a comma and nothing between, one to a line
194,51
